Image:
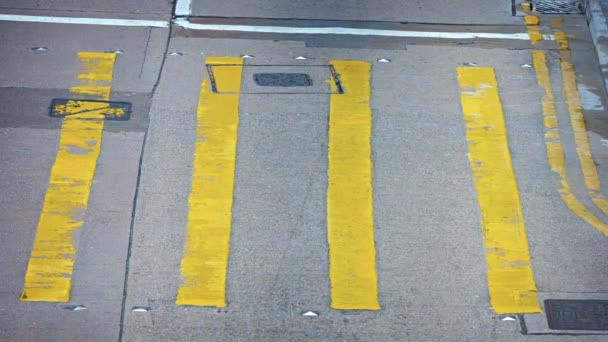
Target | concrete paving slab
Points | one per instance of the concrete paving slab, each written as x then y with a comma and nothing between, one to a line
113,8
435,11
102,242
427,235
136,69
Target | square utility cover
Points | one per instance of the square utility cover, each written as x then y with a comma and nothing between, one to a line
280,79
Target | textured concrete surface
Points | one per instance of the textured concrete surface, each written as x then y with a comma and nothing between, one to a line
431,265
421,11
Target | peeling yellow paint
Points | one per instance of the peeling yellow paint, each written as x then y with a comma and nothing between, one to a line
532,23
562,41
350,211
531,20
510,276
555,152
49,273
205,261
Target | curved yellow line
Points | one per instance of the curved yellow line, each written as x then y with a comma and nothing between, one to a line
573,100
555,151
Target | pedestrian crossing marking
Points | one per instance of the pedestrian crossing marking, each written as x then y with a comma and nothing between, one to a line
510,276
49,272
350,210
205,261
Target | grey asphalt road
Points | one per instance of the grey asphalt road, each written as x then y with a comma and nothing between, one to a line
430,261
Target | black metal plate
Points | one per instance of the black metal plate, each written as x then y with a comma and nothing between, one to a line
109,112
282,80
564,314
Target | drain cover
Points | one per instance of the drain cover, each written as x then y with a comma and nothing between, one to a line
558,6
282,80
577,314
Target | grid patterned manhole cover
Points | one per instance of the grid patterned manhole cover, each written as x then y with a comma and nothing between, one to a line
565,314
282,80
558,6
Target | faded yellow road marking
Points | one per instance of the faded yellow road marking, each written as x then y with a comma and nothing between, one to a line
350,211
510,277
49,272
207,248
532,23
577,119
555,152
583,150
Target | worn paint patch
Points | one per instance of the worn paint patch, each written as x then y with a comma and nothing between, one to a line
350,211
557,23
555,151
510,277
561,38
589,99
49,273
205,261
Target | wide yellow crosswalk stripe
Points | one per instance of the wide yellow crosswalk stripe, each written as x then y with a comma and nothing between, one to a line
555,151
49,272
350,211
510,277
207,248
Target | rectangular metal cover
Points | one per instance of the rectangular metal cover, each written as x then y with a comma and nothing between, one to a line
279,79
577,314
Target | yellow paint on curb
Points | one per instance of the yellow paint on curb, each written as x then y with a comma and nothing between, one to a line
350,211
531,20
49,272
555,152
532,23
510,276
205,261
562,41
557,23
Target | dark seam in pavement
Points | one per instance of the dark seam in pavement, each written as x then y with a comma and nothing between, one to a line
143,62
522,324
135,197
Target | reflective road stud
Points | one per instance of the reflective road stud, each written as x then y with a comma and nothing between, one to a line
49,272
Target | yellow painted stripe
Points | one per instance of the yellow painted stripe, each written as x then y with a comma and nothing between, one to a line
532,22
583,150
207,248
350,211
510,277
555,152
49,273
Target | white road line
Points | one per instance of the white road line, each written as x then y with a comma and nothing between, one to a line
353,31
83,21
183,7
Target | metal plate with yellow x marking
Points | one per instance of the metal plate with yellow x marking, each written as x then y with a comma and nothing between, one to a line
91,109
